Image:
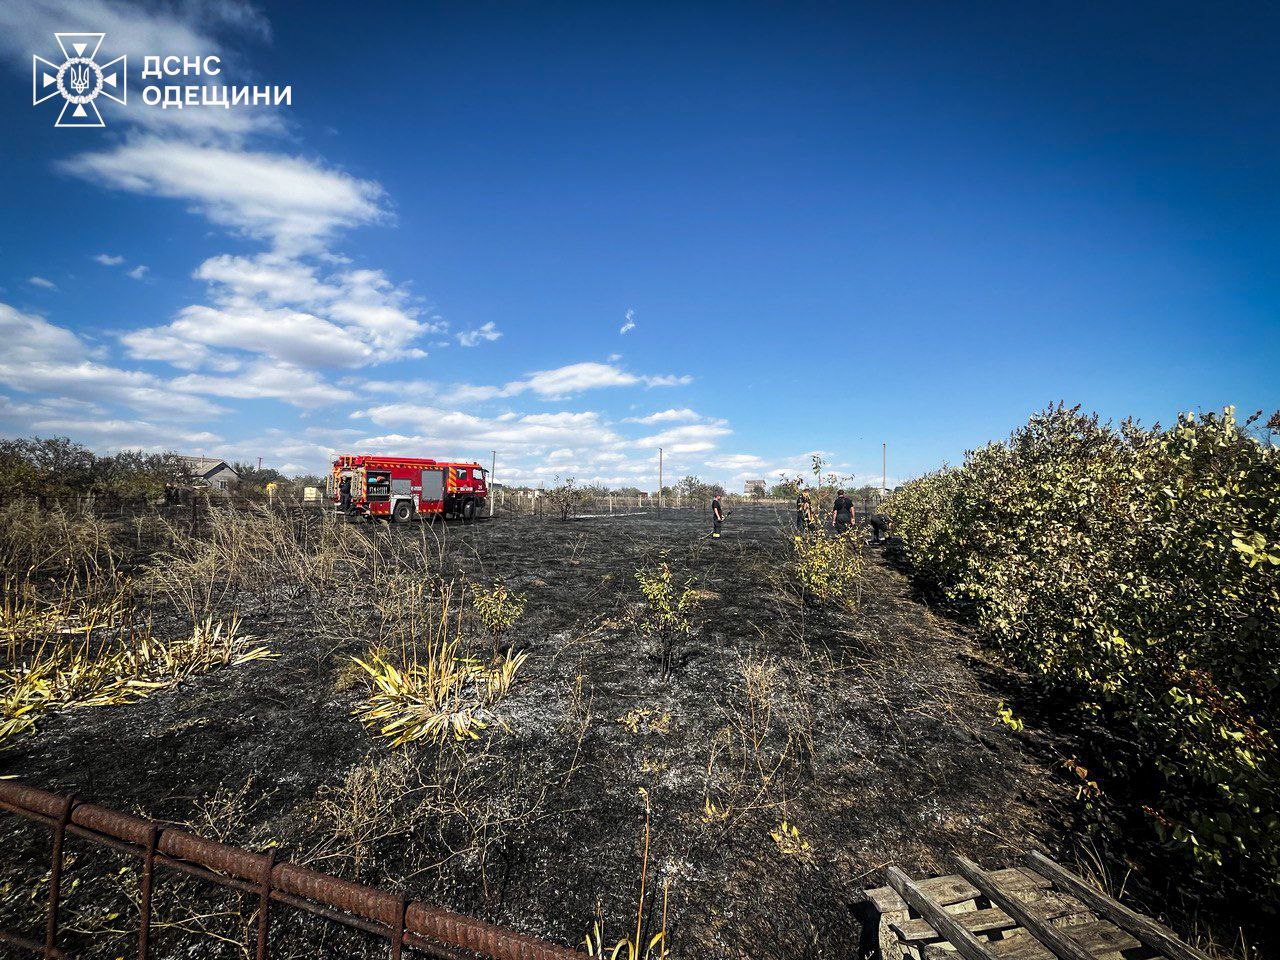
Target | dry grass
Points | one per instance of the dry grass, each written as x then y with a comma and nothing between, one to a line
75,669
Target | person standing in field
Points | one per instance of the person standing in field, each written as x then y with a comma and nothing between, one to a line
344,494
842,512
717,515
802,509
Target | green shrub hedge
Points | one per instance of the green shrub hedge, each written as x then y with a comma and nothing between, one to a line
1137,572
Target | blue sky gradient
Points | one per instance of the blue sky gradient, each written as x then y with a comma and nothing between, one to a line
835,225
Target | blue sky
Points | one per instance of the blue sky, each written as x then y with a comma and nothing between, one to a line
830,225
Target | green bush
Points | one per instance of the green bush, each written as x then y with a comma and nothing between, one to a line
1136,571
827,569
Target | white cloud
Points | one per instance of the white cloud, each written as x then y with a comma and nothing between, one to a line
292,202
267,380
31,339
556,383
690,438
281,308
738,461
42,283
28,26
108,260
577,377
139,272
370,303
668,380
282,334
434,424
42,358
267,277
470,338
131,434
681,415
630,323
574,378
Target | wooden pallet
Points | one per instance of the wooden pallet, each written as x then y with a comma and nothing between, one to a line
1040,911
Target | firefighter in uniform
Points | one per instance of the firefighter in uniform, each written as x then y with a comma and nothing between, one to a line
344,494
717,515
802,509
842,512
879,527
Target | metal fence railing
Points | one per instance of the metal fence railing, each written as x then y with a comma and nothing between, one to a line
402,922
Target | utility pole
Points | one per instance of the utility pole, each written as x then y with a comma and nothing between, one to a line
259,464
659,478
493,468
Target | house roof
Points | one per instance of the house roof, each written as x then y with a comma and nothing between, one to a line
204,466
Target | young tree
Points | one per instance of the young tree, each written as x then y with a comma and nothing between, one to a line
565,496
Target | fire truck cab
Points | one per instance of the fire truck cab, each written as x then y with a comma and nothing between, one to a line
402,488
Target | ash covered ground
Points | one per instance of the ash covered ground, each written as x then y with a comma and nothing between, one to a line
871,732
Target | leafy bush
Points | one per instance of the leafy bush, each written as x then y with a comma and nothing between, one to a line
498,609
666,616
827,568
1137,571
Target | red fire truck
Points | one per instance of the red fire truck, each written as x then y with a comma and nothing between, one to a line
401,488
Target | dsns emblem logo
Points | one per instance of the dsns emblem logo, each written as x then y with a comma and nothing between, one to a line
79,80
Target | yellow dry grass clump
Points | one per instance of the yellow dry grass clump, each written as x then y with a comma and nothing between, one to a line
72,667
432,691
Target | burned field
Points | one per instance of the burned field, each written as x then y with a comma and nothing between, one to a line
774,751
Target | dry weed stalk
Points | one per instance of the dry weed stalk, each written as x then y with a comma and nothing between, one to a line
636,946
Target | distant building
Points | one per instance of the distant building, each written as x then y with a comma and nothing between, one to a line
211,472
754,488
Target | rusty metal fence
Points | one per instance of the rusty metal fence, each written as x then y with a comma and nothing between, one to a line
404,923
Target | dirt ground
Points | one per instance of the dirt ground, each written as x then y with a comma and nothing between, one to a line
872,733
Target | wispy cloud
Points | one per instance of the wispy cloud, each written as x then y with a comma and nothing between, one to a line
108,260
690,438
294,203
139,272
630,323
264,379
471,338
432,424
41,358
673,415
556,383
42,283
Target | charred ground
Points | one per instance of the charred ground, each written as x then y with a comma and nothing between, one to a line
869,731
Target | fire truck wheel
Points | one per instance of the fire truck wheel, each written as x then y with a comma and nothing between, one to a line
469,511
403,511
